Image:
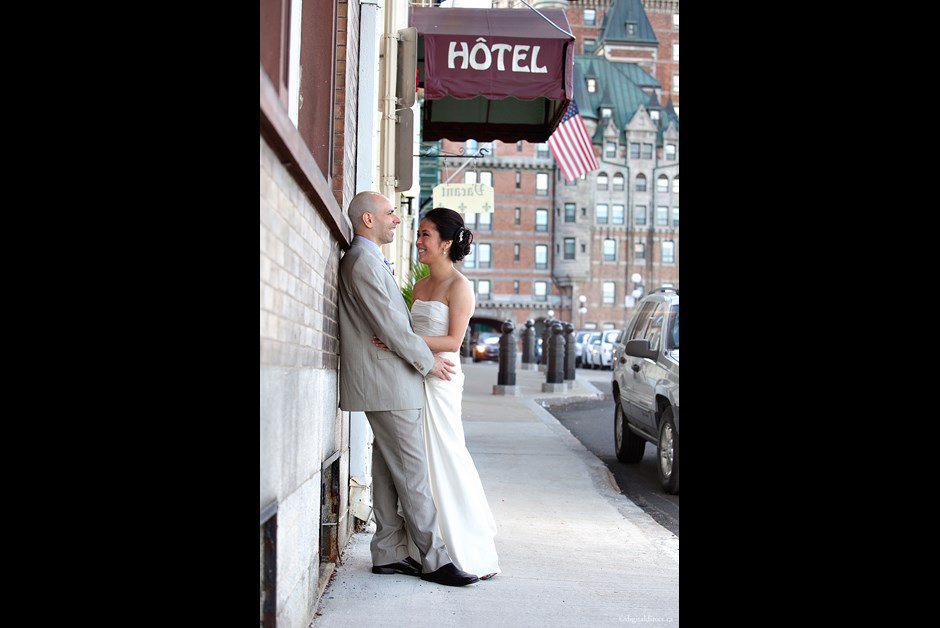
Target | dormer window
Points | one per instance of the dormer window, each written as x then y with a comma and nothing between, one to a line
654,115
592,85
606,112
630,28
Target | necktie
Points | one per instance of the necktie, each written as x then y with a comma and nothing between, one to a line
387,265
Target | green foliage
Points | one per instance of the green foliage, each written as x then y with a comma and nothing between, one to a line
418,271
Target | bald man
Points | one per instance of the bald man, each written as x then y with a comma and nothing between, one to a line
389,387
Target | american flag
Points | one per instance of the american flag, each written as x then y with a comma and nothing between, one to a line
571,145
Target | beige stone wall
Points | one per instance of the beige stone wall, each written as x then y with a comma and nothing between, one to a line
301,424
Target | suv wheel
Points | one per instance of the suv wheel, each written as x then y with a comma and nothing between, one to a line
668,454
628,445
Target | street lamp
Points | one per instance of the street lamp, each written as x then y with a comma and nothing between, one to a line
582,310
637,285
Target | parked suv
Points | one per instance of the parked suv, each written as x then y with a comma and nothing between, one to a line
646,385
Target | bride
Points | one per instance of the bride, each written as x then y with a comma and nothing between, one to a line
441,308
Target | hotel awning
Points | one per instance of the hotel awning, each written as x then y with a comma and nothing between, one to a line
492,74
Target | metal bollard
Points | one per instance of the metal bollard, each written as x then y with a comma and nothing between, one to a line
507,356
546,336
467,349
556,355
528,343
569,351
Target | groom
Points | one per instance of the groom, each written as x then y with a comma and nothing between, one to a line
389,387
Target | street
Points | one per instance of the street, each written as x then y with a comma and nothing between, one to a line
592,423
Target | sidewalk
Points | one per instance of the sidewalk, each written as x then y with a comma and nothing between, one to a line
573,550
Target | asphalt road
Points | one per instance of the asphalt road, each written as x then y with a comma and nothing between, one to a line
592,423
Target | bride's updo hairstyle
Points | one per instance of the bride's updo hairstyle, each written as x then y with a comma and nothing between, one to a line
450,226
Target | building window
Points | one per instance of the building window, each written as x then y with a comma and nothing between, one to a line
602,181
573,182
540,290
600,213
675,83
518,180
669,252
515,252
608,292
541,149
675,21
630,27
606,112
675,185
618,182
634,150
485,221
519,146
584,212
647,151
654,116
671,152
569,248
541,256
590,45
610,250
640,214
675,51
610,149
584,248
662,184
676,109
515,286
484,259
541,220
641,183
662,216
483,289
591,85
470,260
541,183
571,212
617,215
484,176
518,215
639,251
590,17
675,216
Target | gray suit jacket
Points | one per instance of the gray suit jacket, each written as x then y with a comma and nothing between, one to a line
370,303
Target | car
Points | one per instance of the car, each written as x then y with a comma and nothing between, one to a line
579,337
645,383
487,347
587,351
603,348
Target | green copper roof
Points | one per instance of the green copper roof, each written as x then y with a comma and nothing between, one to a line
615,27
615,89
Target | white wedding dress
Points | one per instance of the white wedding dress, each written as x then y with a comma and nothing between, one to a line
464,516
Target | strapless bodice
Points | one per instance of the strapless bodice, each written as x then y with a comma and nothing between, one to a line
430,318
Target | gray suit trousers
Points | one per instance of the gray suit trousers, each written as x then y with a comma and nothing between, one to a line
400,472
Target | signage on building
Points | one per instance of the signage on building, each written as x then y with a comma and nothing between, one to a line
464,197
493,74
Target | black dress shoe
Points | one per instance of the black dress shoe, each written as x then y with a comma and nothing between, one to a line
407,567
450,576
